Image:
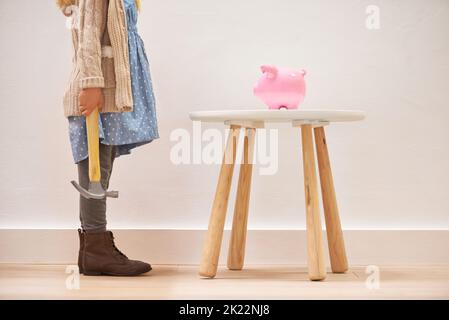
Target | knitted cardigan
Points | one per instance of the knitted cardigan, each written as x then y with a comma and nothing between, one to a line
101,56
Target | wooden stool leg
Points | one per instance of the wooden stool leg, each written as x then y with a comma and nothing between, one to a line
236,254
317,268
214,236
339,262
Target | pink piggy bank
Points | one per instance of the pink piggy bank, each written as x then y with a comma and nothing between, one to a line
281,88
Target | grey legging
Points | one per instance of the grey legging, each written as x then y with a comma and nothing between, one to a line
93,212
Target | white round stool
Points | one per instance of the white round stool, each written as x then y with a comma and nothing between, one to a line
311,122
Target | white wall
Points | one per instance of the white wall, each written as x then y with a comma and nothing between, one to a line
391,171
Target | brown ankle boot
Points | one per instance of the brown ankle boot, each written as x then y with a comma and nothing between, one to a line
80,253
101,257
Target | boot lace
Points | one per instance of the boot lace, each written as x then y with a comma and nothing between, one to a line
117,249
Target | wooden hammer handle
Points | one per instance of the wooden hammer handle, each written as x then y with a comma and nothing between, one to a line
93,144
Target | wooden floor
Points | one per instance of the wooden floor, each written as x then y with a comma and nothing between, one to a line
255,282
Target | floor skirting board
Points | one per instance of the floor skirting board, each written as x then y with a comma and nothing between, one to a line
171,246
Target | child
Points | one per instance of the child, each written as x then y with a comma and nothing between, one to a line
111,72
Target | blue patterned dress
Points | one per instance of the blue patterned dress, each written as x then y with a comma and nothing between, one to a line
129,129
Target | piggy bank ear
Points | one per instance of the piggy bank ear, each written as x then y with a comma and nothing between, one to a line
270,71
303,72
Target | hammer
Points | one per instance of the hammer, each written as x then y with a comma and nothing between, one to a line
95,190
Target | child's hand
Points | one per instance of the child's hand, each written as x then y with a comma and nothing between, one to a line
90,99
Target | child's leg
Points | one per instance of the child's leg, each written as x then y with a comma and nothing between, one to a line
92,211
98,253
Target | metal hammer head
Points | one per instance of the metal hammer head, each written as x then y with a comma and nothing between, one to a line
95,191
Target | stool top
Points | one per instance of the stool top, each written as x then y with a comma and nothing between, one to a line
278,115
